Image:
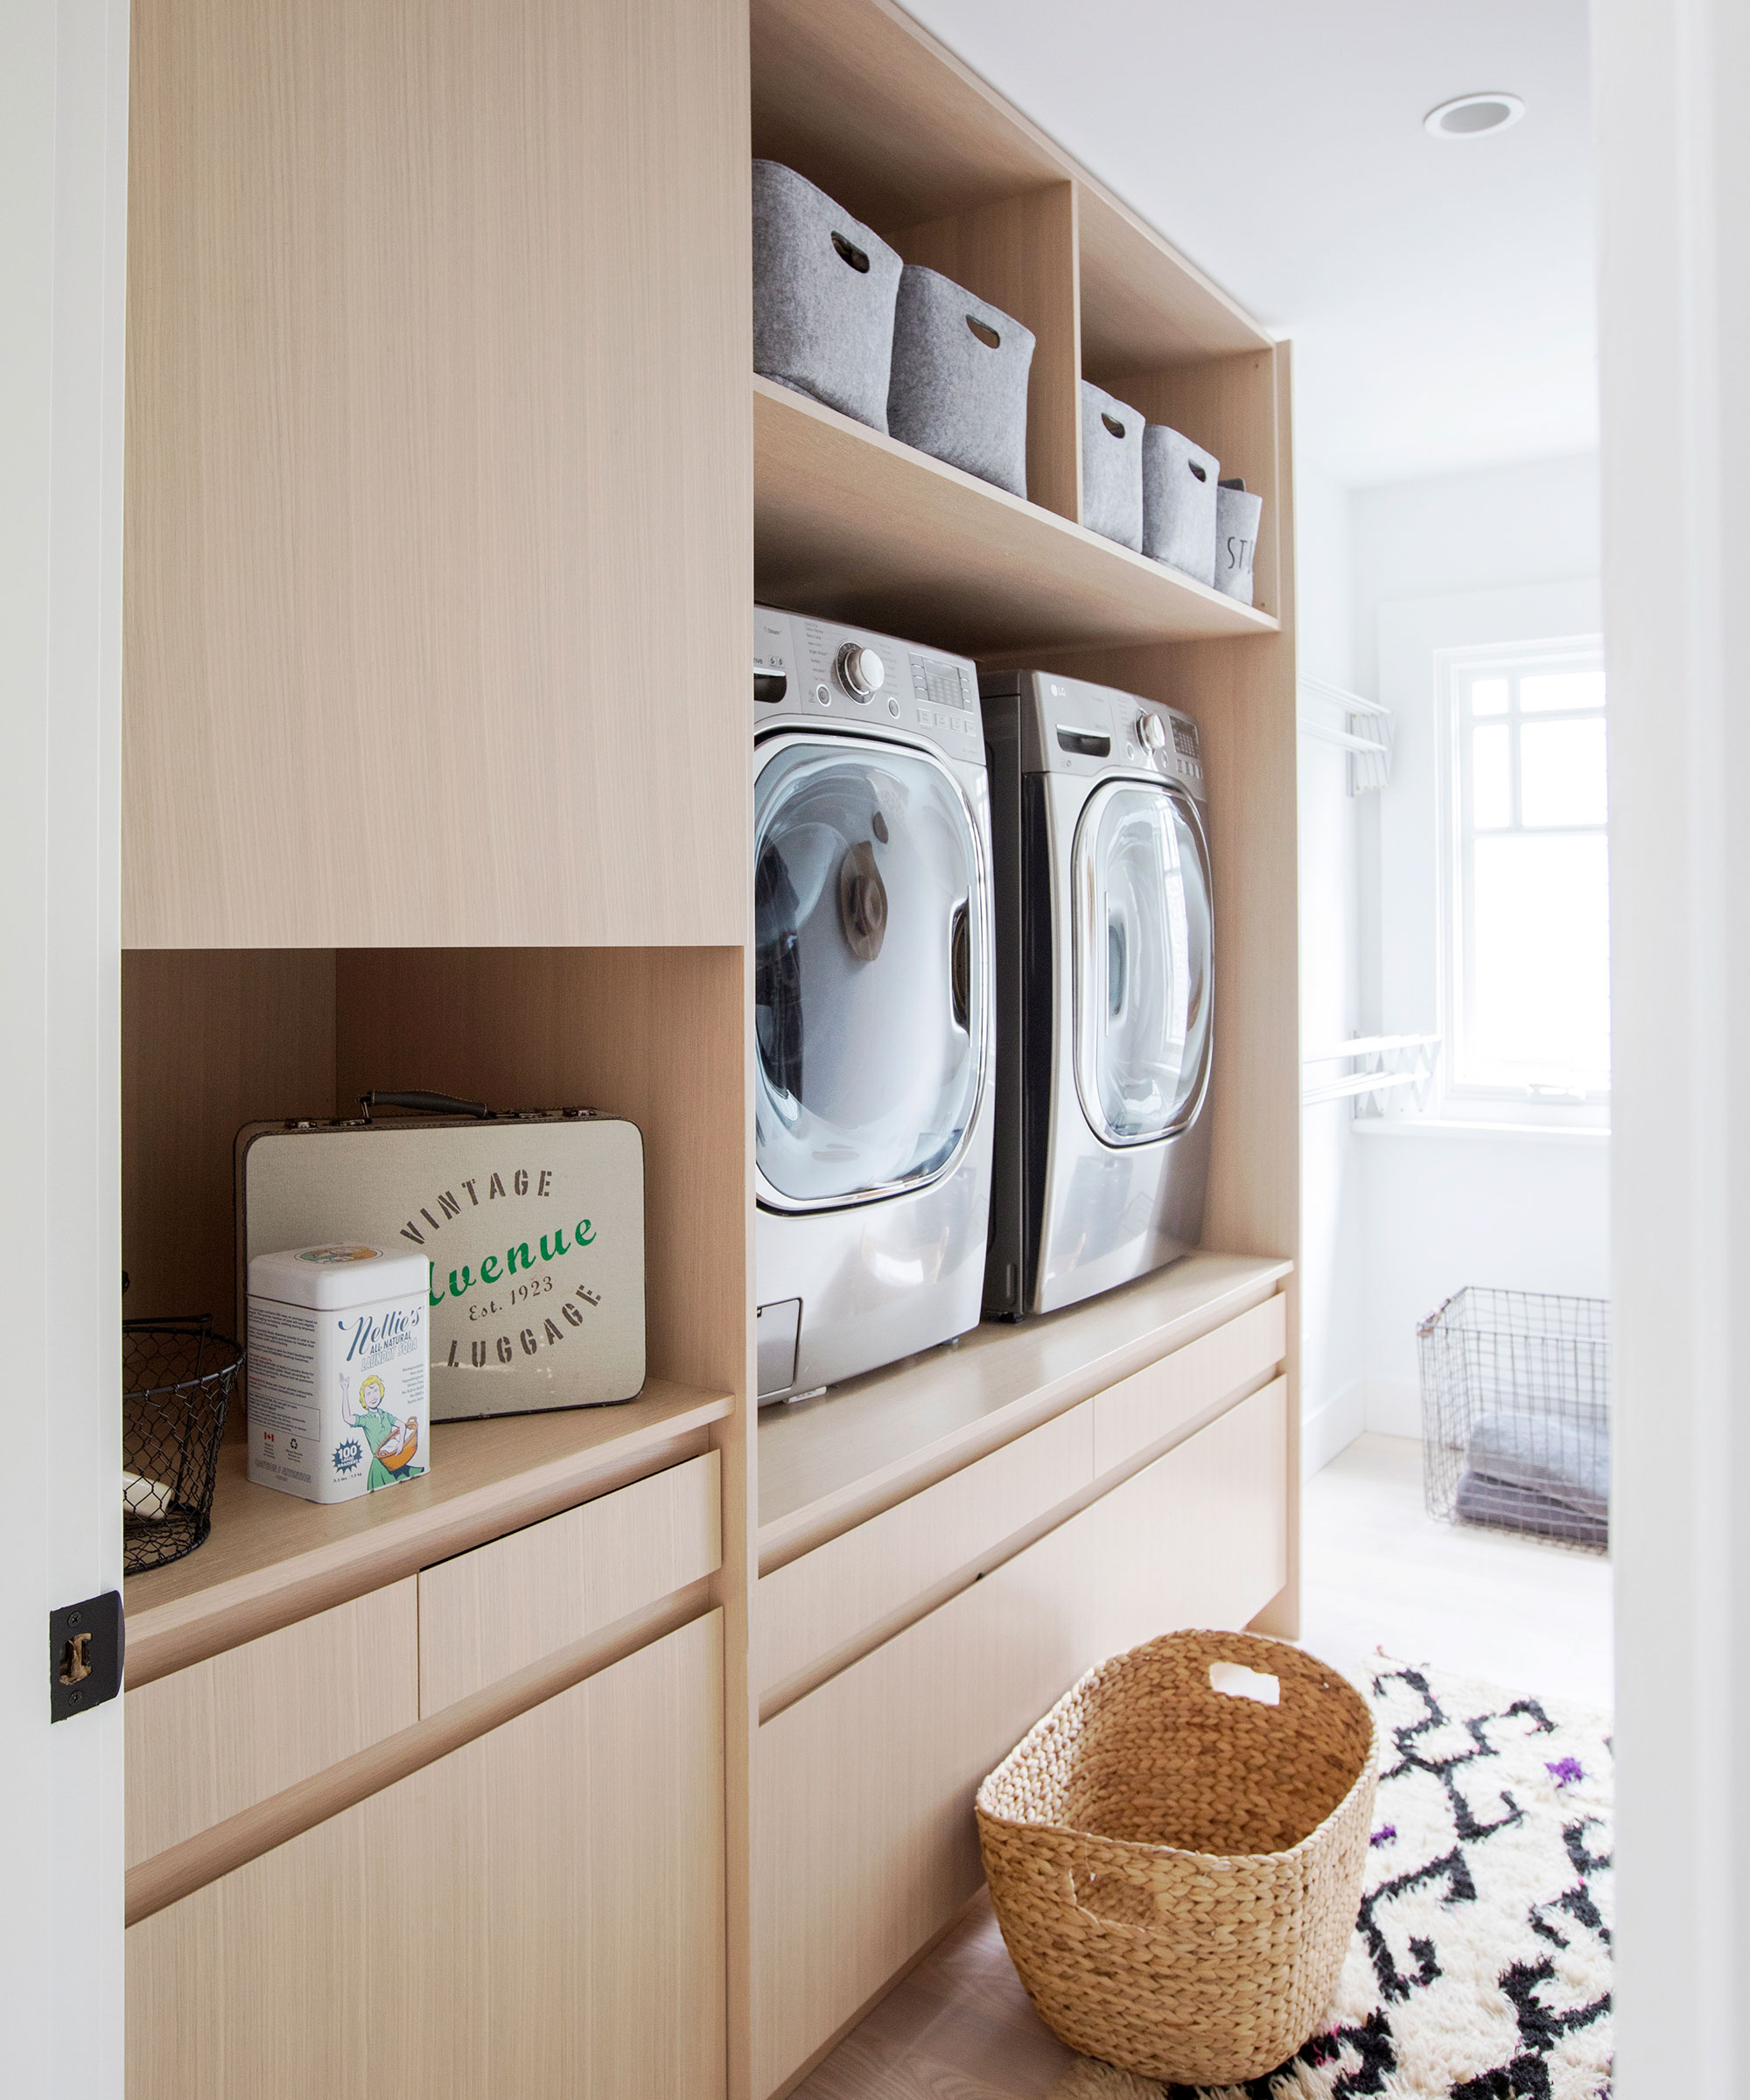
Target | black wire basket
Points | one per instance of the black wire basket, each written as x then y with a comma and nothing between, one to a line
177,1380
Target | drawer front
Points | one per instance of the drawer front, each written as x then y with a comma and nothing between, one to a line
538,1914
208,1741
1141,1410
487,1614
822,1600
863,1789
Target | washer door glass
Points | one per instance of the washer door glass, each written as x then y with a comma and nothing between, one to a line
870,971
1143,978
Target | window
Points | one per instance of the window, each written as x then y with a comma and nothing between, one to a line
1527,884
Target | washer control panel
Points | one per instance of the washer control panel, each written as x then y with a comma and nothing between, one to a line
805,668
1069,726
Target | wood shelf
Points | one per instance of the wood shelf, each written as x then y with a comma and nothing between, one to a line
273,1559
827,1463
929,139
851,524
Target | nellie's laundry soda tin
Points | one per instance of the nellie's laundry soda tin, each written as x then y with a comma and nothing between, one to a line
340,1371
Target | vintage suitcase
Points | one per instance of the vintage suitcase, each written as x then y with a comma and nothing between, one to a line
532,1221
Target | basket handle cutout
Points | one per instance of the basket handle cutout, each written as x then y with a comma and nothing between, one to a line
1235,1681
984,332
1112,424
1201,473
849,252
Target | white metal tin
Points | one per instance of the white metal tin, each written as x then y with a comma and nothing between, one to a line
339,1382
531,1226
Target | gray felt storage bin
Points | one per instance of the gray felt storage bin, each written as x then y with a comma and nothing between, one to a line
1236,532
959,388
1179,489
1111,467
823,293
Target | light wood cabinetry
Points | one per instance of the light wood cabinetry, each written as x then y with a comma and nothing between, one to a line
448,498
540,1912
863,1823
436,475
487,1614
216,1738
816,1605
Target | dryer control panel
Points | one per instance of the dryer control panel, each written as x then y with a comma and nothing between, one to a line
1067,725
808,669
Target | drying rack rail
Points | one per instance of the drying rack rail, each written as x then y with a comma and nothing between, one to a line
1388,1064
1366,733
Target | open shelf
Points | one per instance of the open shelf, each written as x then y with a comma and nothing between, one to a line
853,525
272,1557
827,1463
929,140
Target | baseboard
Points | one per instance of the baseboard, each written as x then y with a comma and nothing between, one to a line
1393,1407
1333,1427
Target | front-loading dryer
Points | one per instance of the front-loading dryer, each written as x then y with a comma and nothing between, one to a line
873,999
1105,988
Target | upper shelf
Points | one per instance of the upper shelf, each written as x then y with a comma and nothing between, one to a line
857,97
827,1463
852,525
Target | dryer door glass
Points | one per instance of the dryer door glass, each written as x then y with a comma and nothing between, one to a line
871,970
1143,979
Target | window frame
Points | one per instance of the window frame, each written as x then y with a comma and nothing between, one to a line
1459,1098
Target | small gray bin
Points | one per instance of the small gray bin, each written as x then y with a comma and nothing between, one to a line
1179,493
959,390
824,288
1111,467
1236,532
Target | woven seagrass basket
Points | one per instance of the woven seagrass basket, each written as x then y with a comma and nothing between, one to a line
1176,1869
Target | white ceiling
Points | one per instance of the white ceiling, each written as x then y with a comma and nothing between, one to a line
1439,292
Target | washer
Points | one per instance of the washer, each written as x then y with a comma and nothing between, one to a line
1105,987
873,999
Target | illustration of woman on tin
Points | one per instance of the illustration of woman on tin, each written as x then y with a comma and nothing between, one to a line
393,1444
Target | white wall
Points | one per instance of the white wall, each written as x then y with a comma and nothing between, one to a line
1395,1219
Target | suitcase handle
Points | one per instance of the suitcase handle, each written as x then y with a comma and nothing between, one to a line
425,1104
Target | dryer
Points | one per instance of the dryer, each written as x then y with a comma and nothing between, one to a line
1105,988
873,999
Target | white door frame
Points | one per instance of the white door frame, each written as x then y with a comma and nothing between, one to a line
1670,81
63,219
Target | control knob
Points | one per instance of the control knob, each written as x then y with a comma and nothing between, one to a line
861,672
1152,732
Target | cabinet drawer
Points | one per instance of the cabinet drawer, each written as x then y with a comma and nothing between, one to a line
538,1914
486,1614
863,1789
208,1741
1141,1410
822,1600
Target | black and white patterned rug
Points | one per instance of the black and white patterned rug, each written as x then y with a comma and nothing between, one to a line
1480,1968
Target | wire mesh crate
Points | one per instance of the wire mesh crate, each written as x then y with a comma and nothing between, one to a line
1516,1413
177,1380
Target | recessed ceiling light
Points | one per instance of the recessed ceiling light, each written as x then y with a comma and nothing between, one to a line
1470,115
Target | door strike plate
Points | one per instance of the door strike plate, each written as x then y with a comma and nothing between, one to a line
85,1646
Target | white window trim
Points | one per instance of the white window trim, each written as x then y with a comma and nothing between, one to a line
1454,1101
1405,851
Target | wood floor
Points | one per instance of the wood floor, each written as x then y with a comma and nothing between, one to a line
1377,1572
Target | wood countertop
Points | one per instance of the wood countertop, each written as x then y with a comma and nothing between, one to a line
827,1463
272,1558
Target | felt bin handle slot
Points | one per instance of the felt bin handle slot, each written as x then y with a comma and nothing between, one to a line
849,252
1112,424
984,332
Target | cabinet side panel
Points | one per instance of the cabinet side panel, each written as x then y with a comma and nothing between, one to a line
438,472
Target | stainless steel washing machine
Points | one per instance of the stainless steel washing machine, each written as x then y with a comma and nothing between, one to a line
874,1005
1105,1024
